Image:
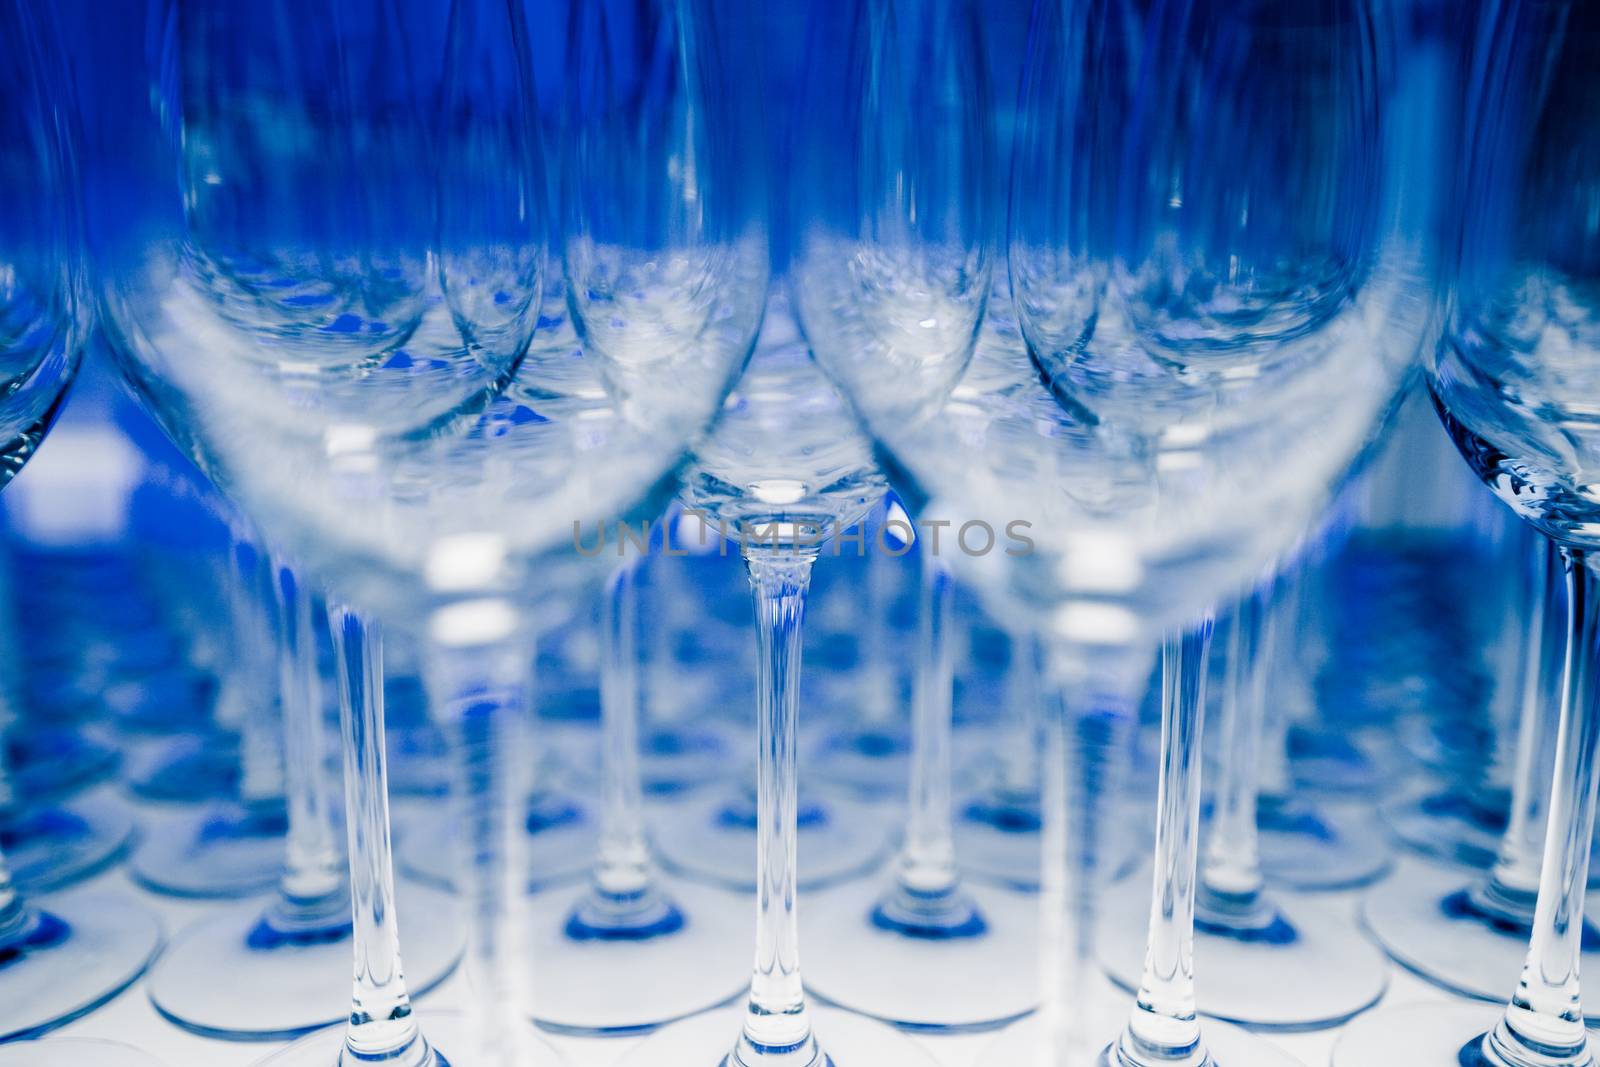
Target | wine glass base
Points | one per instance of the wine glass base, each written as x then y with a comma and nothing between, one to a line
614,987
1333,847
1010,859
451,1035
212,981
1329,762
907,980
680,759
110,942
848,1041
1460,953
694,842
1416,1035
48,848
209,855
51,762
1244,981
1229,1046
188,770
1433,821
559,855
73,1052
872,763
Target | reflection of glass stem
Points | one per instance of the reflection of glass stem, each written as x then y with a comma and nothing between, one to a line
381,1028
311,895
777,1028
1543,1024
623,898
1163,1027
927,900
479,676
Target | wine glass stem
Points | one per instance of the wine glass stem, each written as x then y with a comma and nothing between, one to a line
1163,1027
1543,1025
480,675
877,672
1515,876
927,860
261,763
381,1027
777,1027
1019,762
1284,679
622,867
312,890
14,912
1082,735
1230,879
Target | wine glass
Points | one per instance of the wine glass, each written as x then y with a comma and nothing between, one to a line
1246,938
367,346
70,953
917,104
1468,935
783,471
1510,384
1148,440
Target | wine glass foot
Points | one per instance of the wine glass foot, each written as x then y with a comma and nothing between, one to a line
73,1052
228,851
1446,824
1228,1045
558,852
214,981
109,941
846,1040
860,966
50,762
1323,847
616,986
1004,851
48,848
1330,762
1416,916
872,762
1416,1035
846,839
679,759
452,1042
186,770
1242,978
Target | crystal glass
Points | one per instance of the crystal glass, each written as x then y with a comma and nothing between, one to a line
783,472
1147,448
1509,379
328,282
69,953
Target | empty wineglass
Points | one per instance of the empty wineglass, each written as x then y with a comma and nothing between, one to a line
783,471
1510,380
66,954
1180,309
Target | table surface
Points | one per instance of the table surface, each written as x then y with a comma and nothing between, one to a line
131,1018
